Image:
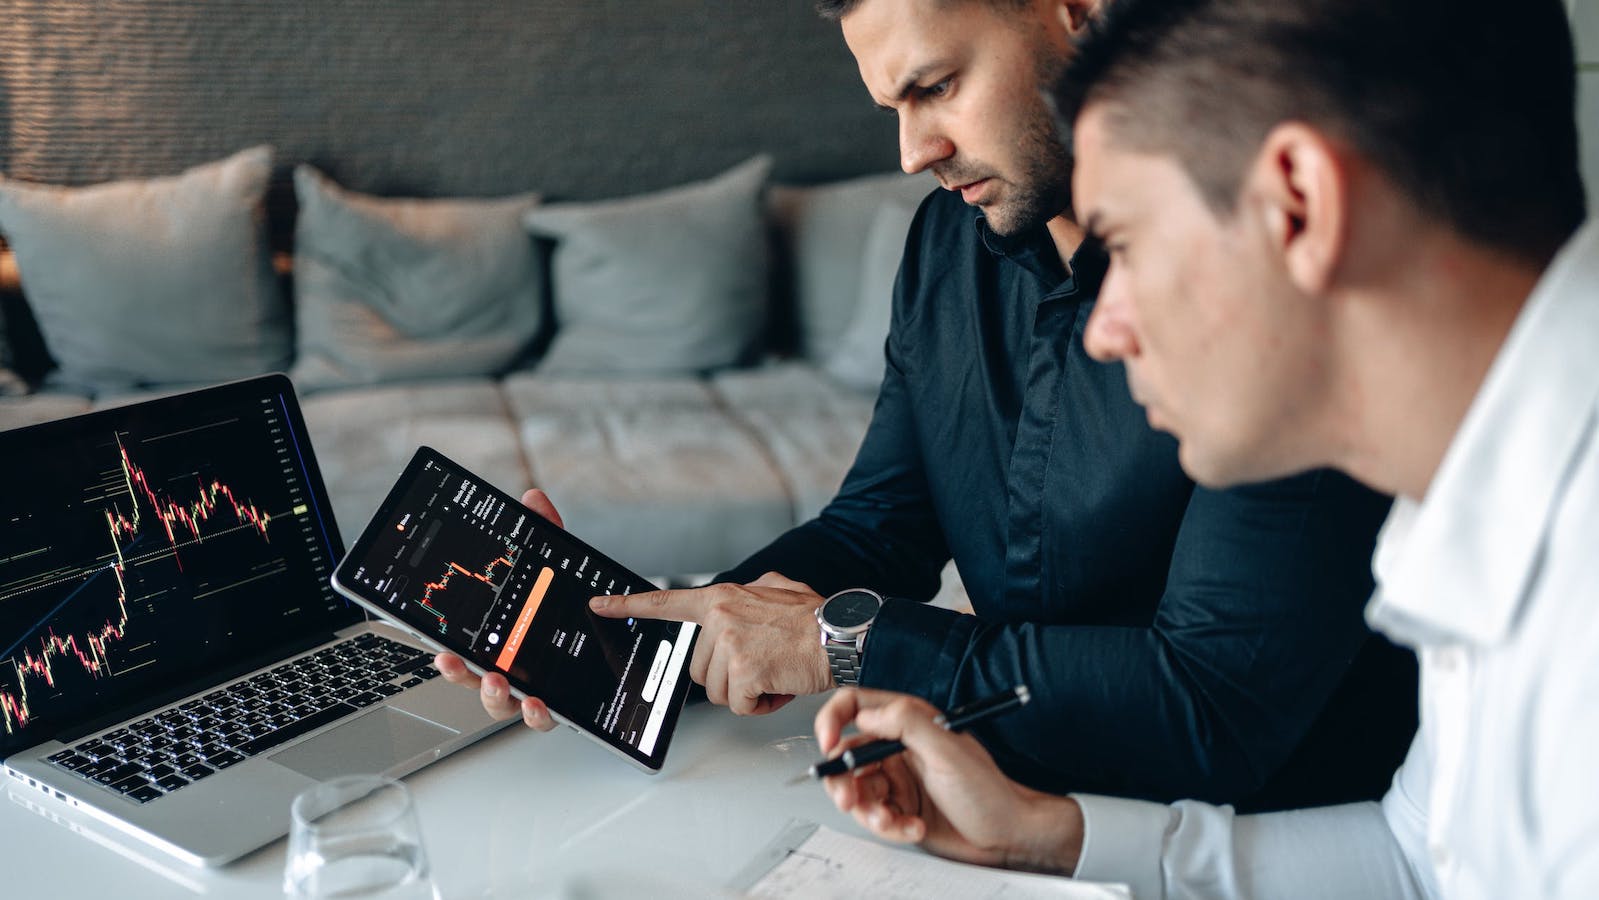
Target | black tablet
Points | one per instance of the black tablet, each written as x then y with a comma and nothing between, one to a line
469,569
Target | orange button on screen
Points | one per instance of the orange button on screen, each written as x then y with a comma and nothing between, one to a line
524,619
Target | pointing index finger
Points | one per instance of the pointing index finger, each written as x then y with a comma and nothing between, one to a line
675,606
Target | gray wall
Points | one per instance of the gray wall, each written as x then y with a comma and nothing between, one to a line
579,99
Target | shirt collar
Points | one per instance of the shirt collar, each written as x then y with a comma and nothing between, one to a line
1035,251
1455,565
1027,247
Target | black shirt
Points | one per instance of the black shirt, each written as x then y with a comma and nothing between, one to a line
1178,641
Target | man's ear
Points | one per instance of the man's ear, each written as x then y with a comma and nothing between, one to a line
1299,187
1074,14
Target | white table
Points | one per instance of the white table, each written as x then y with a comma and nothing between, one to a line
516,815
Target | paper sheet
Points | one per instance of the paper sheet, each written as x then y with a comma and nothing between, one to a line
809,861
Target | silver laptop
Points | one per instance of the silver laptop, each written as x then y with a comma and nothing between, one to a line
173,660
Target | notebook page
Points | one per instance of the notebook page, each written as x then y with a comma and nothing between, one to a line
831,864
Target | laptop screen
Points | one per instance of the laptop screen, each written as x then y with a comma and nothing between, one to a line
154,544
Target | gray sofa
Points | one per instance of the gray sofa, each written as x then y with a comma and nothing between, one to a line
671,474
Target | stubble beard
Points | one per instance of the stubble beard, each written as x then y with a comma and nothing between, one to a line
1042,189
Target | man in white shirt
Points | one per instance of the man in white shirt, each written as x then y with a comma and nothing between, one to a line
1343,233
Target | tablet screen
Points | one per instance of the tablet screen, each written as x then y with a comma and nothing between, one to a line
468,566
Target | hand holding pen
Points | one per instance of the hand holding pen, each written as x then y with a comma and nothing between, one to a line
956,720
945,792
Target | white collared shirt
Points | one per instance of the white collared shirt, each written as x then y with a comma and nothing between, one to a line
1493,578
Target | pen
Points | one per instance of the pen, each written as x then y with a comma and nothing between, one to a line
958,719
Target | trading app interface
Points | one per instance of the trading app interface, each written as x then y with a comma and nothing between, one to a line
458,559
145,545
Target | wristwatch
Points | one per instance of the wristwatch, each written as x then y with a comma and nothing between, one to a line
845,618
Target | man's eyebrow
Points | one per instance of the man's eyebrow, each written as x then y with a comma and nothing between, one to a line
914,77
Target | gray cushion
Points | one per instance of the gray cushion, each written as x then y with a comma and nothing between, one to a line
671,282
823,230
161,281
858,359
394,289
651,471
365,436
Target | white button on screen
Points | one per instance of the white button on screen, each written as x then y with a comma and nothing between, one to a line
652,683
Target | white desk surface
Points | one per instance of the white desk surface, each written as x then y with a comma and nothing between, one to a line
518,814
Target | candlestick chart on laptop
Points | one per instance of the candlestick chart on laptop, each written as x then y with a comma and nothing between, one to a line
131,556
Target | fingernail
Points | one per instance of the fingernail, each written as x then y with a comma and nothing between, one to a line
599,603
492,690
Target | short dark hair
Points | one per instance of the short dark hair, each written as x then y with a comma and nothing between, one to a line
833,10
1467,106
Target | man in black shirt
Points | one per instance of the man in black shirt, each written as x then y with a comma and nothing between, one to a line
1209,642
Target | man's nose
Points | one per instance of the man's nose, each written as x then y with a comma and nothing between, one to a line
921,145
1110,334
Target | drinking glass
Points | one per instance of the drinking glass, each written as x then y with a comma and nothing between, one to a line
357,836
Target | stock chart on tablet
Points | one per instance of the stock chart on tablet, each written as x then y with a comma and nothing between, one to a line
451,557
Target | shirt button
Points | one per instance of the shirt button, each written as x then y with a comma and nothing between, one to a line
1448,660
1440,856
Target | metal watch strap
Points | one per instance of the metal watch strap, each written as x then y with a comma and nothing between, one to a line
844,639
845,662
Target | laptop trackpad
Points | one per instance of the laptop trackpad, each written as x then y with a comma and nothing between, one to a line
373,743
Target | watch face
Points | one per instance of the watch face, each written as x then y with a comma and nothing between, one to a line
851,609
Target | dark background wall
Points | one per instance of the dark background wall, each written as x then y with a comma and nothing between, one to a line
580,99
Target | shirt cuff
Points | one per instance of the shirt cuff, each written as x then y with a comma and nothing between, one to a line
916,649
1123,841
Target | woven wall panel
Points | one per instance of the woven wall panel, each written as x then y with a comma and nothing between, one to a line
579,99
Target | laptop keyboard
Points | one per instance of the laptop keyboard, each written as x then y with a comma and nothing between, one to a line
168,751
